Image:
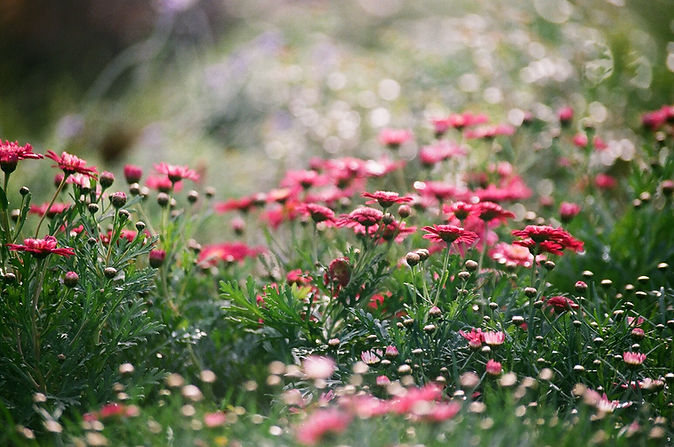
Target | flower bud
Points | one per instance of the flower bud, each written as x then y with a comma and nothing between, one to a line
404,211
580,286
157,258
140,225
193,196
132,173
423,253
24,191
110,272
471,265
163,199
93,208
15,214
134,189
71,279
118,199
106,179
412,259
124,215
530,292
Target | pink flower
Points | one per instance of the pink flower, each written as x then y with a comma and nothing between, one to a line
40,248
457,121
634,358
318,367
214,419
227,252
605,181
54,209
489,211
111,410
386,198
321,422
383,381
443,411
489,132
568,210
449,234
371,357
391,351
547,238
360,219
11,153
474,337
71,164
511,255
565,115
431,155
393,138
132,173
339,271
493,338
318,213
560,304
494,368
176,173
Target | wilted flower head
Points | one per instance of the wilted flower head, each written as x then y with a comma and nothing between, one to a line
339,271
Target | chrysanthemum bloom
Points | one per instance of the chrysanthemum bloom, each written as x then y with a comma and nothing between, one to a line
386,198
299,278
162,183
493,368
128,235
559,304
303,178
396,231
489,211
176,173
228,252
411,400
433,154
459,209
547,238
40,248
132,173
568,210
393,138
321,422
391,351
318,367
443,411
11,153
111,410
474,337
318,213
70,164
449,234
215,419
493,338
634,358
361,218
371,357
511,255
439,190
54,209
383,380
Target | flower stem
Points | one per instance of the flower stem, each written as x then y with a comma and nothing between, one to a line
53,199
443,278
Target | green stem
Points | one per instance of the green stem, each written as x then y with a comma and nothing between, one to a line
53,199
33,322
445,275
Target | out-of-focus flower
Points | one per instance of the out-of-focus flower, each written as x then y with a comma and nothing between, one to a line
157,258
321,422
568,210
474,337
40,248
176,173
560,304
386,199
132,173
54,209
605,181
565,115
511,255
318,367
318,213
227,252
393,138
489,132
215,419
493,338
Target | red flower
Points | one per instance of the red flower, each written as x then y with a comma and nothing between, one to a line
243,204
228,252
386,198
339,271
511,255
318,213
304,179
489,211
430,155
439,190
605,181
565,115
493,368
11,153
396,231
560,304
457,121
489,132
71,164
176,173
40,248
460,210
475,337
547,238
449,234
299,278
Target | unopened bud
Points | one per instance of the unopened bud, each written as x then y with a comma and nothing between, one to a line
71,279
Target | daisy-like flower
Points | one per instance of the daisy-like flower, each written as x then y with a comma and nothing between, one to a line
511,255
549,239
459,209
396,231
386,198
560,304
320,422
475,337
12,152
40,248
489,132
489,211
493,368
449,234
318,213
493,338
361,217
605,181
634,358
393,138
176,173
230,252
71,164
318,367
457,121
371,357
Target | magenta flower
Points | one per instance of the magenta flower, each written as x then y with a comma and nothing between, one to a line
494,368
449,234
634,358
71,164
40,248
176,173
11,153
386,198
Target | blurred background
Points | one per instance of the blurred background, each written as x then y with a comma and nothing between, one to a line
249,87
